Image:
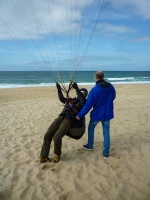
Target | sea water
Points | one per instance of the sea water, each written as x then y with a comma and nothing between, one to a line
11,79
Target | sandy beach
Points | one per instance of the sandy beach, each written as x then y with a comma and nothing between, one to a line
25,115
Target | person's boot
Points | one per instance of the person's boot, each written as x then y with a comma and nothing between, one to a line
43,160
56,158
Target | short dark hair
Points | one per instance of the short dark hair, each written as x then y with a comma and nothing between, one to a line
99,75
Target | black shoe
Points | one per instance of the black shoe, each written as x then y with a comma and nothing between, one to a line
105,155
87,147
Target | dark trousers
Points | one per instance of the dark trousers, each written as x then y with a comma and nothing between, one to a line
59,127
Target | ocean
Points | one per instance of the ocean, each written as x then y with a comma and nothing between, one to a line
12,79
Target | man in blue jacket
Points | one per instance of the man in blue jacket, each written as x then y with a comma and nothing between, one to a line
101,99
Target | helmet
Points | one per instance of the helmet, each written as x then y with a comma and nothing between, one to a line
84,90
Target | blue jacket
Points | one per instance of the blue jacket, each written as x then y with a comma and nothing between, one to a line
100,98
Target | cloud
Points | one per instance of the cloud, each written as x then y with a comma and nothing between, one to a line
141,39
26,18
140,8
117,29
37,19
23,19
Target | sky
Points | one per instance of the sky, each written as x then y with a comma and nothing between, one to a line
108,35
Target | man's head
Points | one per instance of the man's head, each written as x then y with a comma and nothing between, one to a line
84,91
99,75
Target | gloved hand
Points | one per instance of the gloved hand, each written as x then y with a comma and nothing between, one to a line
74,85
58,86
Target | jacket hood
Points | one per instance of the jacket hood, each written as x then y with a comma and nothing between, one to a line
104,85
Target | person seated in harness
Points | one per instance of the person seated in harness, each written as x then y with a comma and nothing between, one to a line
65,124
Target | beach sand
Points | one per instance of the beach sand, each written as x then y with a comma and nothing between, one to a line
25,115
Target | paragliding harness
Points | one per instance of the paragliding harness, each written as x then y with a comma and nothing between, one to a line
76,132
77,129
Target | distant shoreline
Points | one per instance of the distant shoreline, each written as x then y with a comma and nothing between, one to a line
54,84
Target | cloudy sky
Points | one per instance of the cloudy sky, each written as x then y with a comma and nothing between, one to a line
75,34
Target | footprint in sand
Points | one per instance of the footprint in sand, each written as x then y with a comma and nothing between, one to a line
51,166
148,184
115,156
115,166
121,171
81,152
